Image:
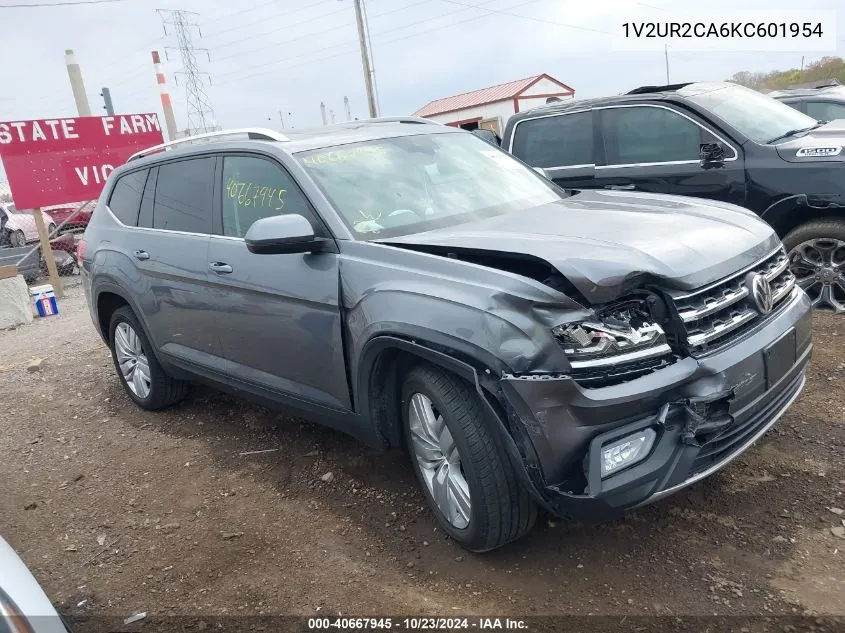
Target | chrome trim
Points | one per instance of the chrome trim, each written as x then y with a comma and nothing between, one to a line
770,276
723,328
785,291
696,313
726,279
706,473
263,134
641,354
152,230
546,116
678,112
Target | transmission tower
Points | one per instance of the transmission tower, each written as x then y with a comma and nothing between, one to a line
200,113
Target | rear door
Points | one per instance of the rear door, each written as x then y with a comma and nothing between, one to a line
657,149
170,250
279,315
562,144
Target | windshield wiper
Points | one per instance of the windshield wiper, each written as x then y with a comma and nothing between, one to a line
796,131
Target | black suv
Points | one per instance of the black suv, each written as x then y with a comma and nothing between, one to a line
713,140
825,103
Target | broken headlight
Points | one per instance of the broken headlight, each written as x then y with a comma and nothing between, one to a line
624,333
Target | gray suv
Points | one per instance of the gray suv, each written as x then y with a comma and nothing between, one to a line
411,285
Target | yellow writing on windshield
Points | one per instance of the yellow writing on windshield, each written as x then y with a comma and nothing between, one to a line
250,194
343,155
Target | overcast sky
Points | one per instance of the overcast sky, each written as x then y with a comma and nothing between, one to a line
289,55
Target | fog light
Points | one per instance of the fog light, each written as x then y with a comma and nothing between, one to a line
626,451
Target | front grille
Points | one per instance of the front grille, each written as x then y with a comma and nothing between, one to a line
715,314
609,375
742,430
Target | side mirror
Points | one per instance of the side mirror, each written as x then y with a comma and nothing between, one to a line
711,153
280,234
488,135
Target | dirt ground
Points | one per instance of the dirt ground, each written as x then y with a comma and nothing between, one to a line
118,511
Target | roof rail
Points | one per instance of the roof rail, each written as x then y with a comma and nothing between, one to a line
259,134
397,119
649,89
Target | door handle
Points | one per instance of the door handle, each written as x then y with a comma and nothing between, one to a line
220,268
142,255
620,187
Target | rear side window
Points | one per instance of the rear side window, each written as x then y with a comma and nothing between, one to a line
825,110
184,194
555,141
125,200
649,135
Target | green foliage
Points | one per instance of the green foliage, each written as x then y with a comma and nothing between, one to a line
825,68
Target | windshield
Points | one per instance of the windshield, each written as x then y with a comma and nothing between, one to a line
396,186
755,115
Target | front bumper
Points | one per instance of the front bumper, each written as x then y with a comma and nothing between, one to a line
706,412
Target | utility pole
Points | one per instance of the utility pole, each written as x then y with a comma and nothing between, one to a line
166,103
200,113
802,64
666,55
365,60
282,119
346,107
105,93
323,112
76,84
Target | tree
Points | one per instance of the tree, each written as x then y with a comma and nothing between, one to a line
821,70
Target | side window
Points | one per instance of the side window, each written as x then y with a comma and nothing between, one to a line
125,199
649,135
825,110
184,194
555,141
255,188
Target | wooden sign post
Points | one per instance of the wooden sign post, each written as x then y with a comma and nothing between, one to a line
47,253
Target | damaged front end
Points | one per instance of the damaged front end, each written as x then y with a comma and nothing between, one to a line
638,417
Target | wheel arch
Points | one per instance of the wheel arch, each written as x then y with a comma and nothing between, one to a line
790,212
384,361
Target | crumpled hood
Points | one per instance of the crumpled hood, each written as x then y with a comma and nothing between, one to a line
830,135
607,243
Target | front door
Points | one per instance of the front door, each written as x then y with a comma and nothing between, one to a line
280,319
657,149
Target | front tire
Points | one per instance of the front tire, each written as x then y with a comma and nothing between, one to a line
17,238
465,472
137,367
817,258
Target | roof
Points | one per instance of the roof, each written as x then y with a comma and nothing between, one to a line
822,91
673,92
499,92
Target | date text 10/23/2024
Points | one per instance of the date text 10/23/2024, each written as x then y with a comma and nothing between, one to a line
416,624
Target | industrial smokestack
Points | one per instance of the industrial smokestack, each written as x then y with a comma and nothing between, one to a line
76,84
346,107
166,105
323,112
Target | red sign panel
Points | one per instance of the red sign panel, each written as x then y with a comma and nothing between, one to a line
54,161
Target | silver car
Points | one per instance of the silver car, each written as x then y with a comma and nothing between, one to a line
24,607
18,228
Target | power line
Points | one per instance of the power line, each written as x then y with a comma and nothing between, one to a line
334,28
241,26
398,39
528,17
56,4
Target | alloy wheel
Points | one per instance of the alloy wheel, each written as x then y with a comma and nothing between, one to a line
819,268
439,460
132,360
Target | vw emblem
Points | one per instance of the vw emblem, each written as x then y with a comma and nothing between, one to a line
761,291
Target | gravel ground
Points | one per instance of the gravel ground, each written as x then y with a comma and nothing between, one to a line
118,511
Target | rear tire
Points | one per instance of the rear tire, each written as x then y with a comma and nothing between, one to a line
137,367
466,474
817,258
17,238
